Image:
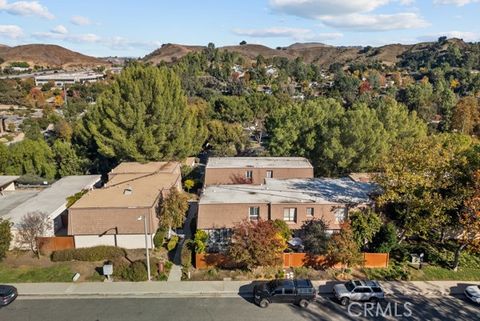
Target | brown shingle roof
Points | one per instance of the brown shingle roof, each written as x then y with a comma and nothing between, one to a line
145,168
141,186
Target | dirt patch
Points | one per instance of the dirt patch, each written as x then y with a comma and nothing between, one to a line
17,259
25,259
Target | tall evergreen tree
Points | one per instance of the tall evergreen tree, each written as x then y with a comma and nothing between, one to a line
143,116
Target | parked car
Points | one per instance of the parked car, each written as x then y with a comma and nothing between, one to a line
473,293
299,292
7,294
358,290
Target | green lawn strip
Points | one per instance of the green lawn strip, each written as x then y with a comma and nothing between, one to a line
428,273
57,273
433,273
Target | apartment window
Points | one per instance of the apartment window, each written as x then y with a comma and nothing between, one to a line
249,174
269,174
253,213
310,211
339,215
290,214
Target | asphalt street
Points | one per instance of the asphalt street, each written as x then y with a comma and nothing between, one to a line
199,309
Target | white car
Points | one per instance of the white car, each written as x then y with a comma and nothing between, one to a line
473,293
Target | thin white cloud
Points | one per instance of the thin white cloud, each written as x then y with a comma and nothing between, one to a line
459,3
10,31
318,8
354,15
467,36
376,22
26,8
60,29
77,38
298,34
80,21
116,43
274,32
406,2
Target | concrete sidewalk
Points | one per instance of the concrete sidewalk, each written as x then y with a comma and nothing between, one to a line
215,288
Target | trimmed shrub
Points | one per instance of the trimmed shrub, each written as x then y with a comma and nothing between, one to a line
186,255
136,272
90,254
172,243
159,237
200,241
120,267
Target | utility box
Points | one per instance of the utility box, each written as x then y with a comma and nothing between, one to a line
108,270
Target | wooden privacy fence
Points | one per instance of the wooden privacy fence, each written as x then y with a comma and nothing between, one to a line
370,260
55,243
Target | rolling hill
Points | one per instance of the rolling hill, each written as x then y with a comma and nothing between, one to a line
48,56
318,53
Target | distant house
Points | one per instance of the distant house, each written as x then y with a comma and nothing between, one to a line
291,200
52,201
110,215
60,79
254,170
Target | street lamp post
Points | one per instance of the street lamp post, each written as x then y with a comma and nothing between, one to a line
144,218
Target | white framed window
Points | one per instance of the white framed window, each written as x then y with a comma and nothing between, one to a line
340,215
269,174
249,174
290,214
253,212
310,211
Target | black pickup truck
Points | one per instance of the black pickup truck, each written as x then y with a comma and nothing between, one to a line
299,292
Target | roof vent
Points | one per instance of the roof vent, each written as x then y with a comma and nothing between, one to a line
128,190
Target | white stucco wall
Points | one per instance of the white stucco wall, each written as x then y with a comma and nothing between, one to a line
128,241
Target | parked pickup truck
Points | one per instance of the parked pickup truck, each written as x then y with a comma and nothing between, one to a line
299,292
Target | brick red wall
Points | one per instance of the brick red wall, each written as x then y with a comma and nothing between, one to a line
219,176
227,214
212,216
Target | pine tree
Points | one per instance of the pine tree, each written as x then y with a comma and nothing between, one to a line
143,116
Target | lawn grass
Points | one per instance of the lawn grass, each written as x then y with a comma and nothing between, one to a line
397,272
57,273
435,273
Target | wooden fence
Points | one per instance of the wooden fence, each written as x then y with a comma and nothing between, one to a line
55,243
370,260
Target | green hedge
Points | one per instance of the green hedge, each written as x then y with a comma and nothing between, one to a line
137,271
172,243
159,237
91,254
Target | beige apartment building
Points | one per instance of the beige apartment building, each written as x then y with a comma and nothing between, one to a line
292,200
110,215
254,170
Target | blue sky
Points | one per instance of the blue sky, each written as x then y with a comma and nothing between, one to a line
134,28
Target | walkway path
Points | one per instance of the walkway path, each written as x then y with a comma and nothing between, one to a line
218,288
176,271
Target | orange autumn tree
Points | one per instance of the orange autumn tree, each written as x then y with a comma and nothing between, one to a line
256,243
469,222
343,249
